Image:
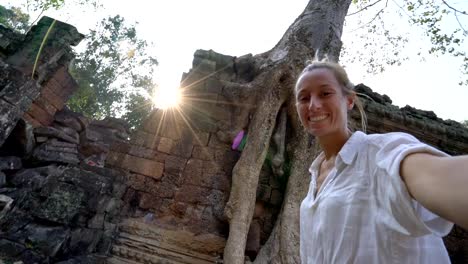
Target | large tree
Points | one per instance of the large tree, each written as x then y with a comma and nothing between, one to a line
315,33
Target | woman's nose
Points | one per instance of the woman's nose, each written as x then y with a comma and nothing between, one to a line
314,104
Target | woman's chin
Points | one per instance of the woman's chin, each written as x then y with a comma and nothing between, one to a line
318,132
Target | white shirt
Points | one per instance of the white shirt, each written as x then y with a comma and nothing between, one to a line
363,212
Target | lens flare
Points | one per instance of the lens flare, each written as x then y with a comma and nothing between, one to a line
165,98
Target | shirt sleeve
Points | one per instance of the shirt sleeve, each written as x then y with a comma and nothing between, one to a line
400,211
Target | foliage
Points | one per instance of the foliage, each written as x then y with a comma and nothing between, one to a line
114,73
432,17
44,5
14,18
465,123
140,108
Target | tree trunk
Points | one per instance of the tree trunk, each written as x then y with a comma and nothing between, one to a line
316,32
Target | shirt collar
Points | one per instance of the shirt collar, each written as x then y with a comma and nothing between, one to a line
352,147
347,152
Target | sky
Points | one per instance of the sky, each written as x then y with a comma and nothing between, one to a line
177,28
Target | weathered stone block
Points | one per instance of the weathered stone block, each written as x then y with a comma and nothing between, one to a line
193,194
165,145
33,122
174,165
160,157
96,222
160,188
33,178
68,118
142,152
10,249
64,85
56,133
47,240
56,101
44,104
193,169
147,140
200,138
10,163
212,167
137,182
90,135
115,159
42,153
178,209
121,147
2,181
203,153
59,146
149,201
94,148
221,140
174,179
62,203
182,148
9,114
220,182
138,165
203,66
83,240
165,125
40,115
67,130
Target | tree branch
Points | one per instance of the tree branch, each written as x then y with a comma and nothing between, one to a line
372,20
364,8
35,20
454,9
461,26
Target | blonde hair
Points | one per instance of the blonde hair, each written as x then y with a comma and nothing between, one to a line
347,87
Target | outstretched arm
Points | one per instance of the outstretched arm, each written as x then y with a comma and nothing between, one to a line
439,183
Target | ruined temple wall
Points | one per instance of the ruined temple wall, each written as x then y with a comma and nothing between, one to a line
179,178
382,117
54,83
181,165
57,201
54,93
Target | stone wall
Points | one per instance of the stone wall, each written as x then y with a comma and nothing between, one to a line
446,135
58,204
52,85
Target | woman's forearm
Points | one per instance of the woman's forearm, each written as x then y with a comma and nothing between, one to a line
439,183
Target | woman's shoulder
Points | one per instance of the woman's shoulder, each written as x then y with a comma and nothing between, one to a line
391,138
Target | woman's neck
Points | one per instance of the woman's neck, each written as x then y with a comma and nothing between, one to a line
331,144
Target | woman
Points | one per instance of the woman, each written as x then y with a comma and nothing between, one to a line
381,198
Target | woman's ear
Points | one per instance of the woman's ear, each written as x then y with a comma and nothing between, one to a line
350,100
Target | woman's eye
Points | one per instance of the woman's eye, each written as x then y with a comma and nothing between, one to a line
303,99
326,94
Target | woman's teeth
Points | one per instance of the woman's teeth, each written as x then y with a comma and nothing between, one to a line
317,118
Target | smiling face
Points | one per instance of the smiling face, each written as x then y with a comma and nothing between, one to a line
321,103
